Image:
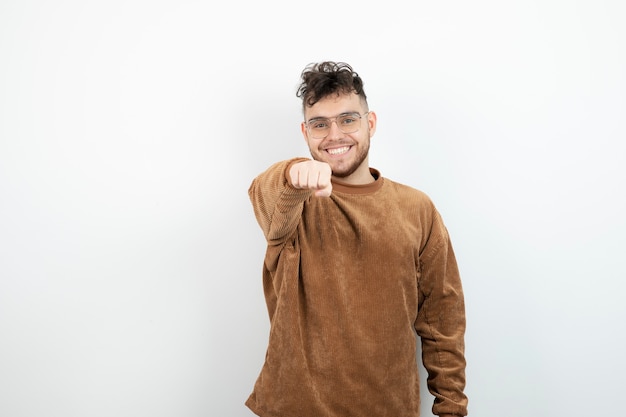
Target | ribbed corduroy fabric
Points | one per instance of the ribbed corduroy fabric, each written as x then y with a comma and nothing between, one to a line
348,282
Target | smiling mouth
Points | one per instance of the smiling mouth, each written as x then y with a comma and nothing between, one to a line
338,151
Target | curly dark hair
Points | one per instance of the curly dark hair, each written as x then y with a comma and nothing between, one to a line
320,80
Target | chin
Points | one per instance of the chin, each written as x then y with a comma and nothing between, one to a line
345,171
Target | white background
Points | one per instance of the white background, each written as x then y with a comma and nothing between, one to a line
130,260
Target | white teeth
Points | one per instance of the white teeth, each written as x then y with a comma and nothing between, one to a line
338,151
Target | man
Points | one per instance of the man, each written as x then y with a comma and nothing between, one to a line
356,265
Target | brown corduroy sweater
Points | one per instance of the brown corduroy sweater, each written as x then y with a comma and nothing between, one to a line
349,280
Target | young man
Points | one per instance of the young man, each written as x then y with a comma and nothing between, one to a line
356,265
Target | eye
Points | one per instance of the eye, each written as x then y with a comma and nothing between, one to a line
318,124
348,120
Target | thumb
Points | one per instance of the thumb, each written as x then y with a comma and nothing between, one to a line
324,192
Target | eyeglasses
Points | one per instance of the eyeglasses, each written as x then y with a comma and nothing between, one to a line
319,127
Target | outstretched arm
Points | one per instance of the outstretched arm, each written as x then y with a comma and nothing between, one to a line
278,194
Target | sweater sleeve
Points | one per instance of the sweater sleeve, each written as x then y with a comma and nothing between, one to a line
277,205
441,322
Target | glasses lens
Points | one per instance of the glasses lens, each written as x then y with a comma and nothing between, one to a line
349,123
319,128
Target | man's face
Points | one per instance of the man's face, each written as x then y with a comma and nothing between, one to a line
346,153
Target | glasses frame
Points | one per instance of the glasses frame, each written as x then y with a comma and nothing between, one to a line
332,120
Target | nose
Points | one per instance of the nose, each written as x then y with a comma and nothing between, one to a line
334,131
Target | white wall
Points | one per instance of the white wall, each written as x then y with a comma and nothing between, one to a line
130,130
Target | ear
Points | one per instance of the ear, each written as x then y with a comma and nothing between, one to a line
371,122
305,132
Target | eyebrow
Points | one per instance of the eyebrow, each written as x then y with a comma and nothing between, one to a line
348,113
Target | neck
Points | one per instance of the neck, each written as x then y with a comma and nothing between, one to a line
358,177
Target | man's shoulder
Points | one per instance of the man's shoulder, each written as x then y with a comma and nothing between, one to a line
407,191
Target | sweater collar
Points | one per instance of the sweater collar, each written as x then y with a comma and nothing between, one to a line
371,187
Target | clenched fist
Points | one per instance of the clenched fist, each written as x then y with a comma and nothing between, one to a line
312,175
